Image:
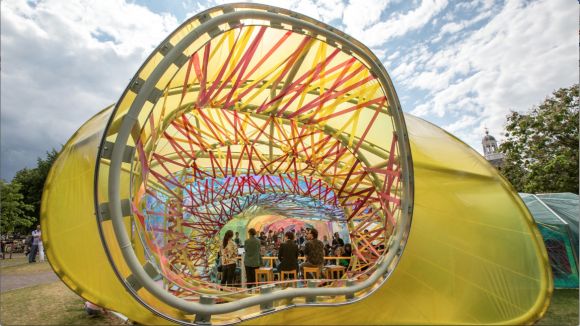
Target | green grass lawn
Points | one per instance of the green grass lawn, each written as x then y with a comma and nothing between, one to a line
55,304
47,304
563,309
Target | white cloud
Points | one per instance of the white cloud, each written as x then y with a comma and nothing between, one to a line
487,4
399,24
326,11
62,62
361,14
466,5
462,123
453,27
448,16
394,55
380,53
323,10
404,70
521,55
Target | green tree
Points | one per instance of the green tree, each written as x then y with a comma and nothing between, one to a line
32,181
541,149
13,208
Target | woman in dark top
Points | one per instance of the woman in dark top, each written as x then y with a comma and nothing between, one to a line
347,250
262,238
288,254
337,241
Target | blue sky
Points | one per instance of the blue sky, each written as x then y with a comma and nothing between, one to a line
461,65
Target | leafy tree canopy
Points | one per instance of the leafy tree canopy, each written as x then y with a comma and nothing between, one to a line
541,149
13,208
32,181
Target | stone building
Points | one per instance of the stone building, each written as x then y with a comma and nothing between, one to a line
491,150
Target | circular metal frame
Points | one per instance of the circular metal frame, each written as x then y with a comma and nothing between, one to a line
387,264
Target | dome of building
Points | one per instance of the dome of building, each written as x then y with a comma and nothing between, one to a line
491,150
487,137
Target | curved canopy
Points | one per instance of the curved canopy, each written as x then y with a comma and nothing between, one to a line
250,110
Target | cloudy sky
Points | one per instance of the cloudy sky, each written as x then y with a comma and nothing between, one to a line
458,64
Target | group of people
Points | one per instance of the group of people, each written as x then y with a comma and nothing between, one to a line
276,237
286,251
32,244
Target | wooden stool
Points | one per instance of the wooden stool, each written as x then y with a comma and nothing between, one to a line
287,274
219,277
267,272
339,270
312,270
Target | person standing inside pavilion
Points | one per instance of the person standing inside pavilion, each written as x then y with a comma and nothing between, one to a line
337,241
228,250
237,239
253,258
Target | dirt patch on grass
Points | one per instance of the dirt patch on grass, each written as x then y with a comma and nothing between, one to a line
48,304
13,261
26,268
563,309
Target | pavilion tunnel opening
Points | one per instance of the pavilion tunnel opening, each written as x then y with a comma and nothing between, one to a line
304,203
251,121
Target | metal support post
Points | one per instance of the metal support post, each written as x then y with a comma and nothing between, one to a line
312,284
349,296
204,319
267,306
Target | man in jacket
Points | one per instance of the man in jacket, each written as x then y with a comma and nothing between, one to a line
253,257
314,252
288,254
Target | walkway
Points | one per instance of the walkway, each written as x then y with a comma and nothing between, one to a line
16,281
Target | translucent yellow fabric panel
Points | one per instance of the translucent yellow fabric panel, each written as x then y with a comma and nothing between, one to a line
69,227
474,254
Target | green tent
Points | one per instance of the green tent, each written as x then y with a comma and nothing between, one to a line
557,218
